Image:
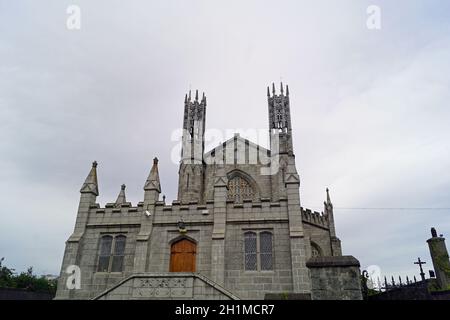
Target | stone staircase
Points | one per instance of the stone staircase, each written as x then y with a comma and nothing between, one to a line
166,286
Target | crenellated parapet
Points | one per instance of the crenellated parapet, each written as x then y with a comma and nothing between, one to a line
249,208
111,214
315,218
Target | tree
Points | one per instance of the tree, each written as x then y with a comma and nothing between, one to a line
25,280
6,275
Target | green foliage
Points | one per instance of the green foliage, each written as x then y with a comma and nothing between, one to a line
25,280
433,286
6,275
372,292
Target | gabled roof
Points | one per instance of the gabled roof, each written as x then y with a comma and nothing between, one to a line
239,139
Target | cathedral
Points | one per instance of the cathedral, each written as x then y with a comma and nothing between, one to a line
236,231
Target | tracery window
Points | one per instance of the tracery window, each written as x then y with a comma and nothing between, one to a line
239,189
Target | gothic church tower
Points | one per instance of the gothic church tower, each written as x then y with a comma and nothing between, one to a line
191,173
280,120
280,131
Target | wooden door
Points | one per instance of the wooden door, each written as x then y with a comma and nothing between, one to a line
182,256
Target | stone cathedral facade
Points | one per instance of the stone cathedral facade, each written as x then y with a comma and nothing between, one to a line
236,231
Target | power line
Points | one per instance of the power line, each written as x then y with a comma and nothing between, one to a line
391,208
388,208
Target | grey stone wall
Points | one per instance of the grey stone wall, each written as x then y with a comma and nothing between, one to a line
250,215
254,284
335,278
93,282
320,236
216,225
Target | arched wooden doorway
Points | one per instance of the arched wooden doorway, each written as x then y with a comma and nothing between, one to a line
182,256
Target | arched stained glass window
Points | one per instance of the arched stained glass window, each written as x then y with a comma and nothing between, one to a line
239,189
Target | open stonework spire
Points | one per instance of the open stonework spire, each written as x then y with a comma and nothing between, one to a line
280,120
152,182
90,185
193,128
121,198
191,171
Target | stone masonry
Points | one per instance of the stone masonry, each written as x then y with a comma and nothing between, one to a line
335,278
441,261
236,231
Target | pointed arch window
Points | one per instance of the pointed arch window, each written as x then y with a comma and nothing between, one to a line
239,189
279,119
315,250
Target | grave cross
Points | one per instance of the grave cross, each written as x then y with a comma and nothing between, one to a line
420,263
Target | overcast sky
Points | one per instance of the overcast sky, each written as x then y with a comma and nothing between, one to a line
370,110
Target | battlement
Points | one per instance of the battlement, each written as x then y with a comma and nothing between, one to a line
249,206
108,208
192,206
314,218
252,210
